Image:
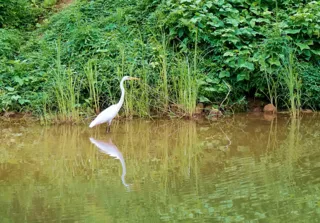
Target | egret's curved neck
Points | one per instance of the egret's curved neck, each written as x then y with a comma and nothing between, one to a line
120,103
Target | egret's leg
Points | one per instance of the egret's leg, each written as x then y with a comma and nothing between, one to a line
108,127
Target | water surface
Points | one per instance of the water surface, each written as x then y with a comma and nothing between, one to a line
241,169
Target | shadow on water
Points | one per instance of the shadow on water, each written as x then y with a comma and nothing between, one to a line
111,149
239,169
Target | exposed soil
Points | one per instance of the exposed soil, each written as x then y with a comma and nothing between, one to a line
63,3
256,105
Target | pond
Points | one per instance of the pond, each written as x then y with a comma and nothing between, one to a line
246,168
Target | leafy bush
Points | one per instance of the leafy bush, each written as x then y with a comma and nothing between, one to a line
10,41
22,14
231,34
209,47
310,86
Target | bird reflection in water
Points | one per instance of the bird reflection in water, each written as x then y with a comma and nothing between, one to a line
111,149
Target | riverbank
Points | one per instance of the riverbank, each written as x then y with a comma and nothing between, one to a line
67,67
204,115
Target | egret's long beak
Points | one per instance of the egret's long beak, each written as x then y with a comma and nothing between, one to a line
134,78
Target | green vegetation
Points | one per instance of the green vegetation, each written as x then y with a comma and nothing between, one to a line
184,51
292,82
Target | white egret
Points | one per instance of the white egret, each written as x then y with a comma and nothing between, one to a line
109,113
111,149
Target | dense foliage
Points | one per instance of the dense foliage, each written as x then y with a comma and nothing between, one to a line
185,51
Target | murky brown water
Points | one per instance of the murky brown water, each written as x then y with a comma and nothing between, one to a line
240,169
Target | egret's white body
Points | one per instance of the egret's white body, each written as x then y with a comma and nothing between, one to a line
107,115
111,149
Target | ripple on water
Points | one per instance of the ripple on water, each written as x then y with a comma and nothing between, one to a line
175,171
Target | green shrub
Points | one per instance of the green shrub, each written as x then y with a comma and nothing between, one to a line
239,48
10,41
310,86
21,14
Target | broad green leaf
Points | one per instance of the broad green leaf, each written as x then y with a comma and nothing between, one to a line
23,101
209,4
244,52
229,53
203,99
246,31
9,89
317,52
111,26
274,61
230,61
185,22
252,23
194,20
247,65
259,20
224,74
215,22
234,22
303,46
242,76
218,2
211,89
15,97
256,56
283,24
18,80
307,53
267,13
291,31
309,42
172,31
180,33
213,81
201,82
102,50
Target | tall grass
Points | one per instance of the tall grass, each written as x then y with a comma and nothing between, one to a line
167,79
272,85
121,71
143,73
164,71
185,81
161,64
292,81
172,79
185,86
130,104
138,93
94,90
66,91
